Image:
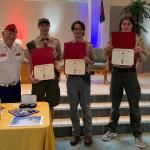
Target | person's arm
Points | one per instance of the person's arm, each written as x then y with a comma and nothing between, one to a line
141,53
58,51
90,59
24,59
140,50
30,71
58,55
107,51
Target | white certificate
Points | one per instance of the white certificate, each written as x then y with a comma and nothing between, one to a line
123,57
74,66
44,72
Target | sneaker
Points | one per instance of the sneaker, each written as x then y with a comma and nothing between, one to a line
74,140
139,142
108,136
88,140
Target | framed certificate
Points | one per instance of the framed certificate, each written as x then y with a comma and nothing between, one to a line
42,56
43,63
74,54
44,72
74,66
124,40
123,57
75,50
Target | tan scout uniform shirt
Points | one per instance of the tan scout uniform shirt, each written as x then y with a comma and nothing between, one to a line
10,63
51,42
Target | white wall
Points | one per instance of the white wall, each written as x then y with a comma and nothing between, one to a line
105,26
61,14
119,2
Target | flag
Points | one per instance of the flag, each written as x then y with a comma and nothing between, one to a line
102,15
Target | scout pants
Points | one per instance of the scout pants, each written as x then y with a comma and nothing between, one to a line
78,89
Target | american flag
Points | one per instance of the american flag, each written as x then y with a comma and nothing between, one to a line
102,15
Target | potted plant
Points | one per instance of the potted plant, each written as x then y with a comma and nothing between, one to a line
140,10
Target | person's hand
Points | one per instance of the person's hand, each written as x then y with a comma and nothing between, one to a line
33,80
87,60
138,50
108,48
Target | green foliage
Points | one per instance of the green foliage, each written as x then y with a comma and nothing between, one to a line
140,10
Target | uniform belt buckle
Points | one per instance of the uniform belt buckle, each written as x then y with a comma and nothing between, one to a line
7,85
12,84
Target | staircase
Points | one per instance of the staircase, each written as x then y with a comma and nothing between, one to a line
100,106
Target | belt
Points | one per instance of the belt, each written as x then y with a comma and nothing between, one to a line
125,69
8,85
86,73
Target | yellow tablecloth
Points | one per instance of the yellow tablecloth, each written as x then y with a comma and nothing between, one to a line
26,138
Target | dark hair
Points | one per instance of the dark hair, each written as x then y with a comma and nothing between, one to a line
130,18
43,20
80,23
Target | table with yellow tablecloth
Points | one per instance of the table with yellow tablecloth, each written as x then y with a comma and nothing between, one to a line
29,137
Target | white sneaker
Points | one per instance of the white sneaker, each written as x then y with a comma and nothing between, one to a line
139,142
108,136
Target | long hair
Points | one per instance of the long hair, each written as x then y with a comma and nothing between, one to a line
130,18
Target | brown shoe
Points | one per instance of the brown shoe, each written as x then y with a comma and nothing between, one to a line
88,140
74,140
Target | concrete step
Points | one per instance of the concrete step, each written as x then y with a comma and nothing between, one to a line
104,98
101,109
63,127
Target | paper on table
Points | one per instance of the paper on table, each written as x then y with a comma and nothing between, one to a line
2,109
23,112
27,121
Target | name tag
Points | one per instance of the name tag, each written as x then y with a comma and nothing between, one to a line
3,56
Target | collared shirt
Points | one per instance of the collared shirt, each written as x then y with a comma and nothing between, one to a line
50,42
10,63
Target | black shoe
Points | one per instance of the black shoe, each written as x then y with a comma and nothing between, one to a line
74,140
88,140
